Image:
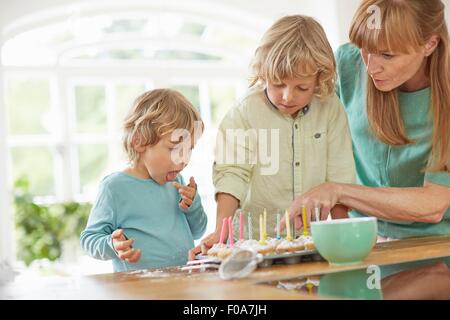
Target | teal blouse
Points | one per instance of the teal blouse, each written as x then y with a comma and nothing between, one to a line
382,165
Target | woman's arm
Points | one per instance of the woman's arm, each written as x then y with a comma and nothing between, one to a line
423,204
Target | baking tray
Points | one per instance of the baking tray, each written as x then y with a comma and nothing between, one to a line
276,258
290,258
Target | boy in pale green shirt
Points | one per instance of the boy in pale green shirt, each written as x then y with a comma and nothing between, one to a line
297,132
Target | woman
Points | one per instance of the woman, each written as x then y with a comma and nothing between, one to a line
394,82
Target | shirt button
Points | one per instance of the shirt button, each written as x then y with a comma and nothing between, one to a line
297,164
296,126
317,135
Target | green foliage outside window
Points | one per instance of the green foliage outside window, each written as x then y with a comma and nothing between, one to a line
42,229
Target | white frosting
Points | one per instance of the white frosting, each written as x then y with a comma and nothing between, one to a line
285,244
255,245
239,243
274,241
251,243
216,248
306,239
314,282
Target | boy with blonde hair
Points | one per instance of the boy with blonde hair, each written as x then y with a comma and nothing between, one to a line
144,216
292,95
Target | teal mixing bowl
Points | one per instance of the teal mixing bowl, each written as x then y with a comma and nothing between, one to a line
345,241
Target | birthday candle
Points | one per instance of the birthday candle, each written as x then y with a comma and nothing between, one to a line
241,226
261,233
250,226
230,232
305,226
309,287
222,231
265,224
278,226
288,226
317,211
293,229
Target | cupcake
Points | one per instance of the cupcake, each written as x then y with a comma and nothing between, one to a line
264,248
224,252
215,249
308,242
290,246
249,244
274,241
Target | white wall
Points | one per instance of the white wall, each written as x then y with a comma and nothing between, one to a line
334,15
6,223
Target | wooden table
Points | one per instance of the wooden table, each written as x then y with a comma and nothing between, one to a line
150,284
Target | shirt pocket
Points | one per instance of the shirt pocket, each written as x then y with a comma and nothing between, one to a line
315,152
316,137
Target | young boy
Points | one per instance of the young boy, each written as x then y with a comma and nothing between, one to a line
291,104
144,216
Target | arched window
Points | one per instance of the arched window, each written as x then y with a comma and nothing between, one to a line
69,79
70,73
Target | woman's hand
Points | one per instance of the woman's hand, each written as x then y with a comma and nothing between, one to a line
324,196
205,244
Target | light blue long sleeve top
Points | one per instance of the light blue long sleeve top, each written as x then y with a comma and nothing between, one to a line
150,214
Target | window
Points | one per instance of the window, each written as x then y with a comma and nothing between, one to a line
70,80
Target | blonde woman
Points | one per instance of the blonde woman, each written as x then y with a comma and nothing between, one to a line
291,112
394,82
145,217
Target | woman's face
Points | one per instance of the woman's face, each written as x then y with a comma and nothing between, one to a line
393,70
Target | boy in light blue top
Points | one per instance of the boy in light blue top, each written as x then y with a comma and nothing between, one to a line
145,216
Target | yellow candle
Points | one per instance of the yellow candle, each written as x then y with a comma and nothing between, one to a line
265,224
261,232
288,226
309,287
305,226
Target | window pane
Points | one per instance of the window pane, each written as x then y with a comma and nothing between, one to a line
93,159
192,29
35,164
91,110
222,98
125,96
27,101
190,92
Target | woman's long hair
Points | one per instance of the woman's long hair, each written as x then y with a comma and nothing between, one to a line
406,25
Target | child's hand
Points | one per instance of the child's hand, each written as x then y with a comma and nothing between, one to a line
187,193
205,244
123,247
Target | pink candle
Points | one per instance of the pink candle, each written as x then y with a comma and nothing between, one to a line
222,231
230,232
241,226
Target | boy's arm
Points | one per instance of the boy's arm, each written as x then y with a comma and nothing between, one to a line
234,154
231,175
96,239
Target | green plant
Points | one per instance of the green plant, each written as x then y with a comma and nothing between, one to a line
41,229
